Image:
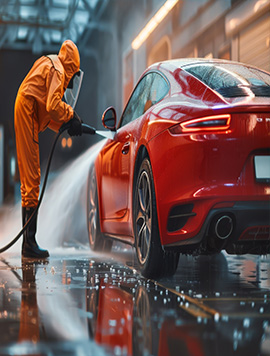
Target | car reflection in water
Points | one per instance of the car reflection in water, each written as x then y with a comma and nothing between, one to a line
139,317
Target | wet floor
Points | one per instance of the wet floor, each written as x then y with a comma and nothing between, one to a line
80,303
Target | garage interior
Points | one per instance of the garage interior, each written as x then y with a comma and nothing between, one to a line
80,303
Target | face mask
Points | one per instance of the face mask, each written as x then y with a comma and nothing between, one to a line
72,92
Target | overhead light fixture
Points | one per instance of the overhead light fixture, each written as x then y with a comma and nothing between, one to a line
153,23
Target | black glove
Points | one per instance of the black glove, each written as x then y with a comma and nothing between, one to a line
75,125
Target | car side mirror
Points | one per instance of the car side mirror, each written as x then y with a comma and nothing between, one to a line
109,119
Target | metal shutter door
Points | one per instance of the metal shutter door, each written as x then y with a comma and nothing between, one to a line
254,43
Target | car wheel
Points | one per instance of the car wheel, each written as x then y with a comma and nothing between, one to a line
154,262
96,239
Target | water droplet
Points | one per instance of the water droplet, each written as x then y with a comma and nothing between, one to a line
112,322
117,351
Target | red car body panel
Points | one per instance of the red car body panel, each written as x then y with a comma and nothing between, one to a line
221,164
207,168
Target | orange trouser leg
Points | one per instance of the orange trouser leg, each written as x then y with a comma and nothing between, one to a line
26,130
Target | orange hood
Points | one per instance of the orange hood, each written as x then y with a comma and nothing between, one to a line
70,59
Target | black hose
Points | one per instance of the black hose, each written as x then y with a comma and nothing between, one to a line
85,129
16,238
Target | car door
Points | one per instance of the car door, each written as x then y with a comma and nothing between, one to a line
117,155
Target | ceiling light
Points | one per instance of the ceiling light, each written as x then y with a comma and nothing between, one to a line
153,23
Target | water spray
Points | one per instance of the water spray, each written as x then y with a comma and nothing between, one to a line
86,129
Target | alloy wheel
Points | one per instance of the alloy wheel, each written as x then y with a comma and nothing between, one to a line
143,215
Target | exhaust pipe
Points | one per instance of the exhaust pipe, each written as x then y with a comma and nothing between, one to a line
224,227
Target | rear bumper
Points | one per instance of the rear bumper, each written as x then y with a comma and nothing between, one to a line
250,226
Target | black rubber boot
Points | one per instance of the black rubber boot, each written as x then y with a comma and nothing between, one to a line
30,247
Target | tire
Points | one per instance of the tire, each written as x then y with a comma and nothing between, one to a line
97,241
153,261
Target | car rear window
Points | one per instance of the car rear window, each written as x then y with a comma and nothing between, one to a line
232,80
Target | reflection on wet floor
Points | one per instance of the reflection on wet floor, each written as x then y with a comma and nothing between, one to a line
86,304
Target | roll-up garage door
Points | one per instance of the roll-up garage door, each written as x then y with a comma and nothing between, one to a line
254,43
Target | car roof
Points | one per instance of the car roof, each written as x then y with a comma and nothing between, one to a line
170,66
182,62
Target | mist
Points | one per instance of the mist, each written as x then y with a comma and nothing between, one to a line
62,220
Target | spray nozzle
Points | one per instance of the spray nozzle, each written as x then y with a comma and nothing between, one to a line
88,129
85,128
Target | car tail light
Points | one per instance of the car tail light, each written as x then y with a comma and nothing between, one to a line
208,123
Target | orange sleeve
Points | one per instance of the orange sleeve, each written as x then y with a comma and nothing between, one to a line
58,109
55,126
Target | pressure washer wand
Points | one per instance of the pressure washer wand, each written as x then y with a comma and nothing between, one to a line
88,129
85,128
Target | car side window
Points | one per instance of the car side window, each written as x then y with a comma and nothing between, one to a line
137,101
158,90
151,89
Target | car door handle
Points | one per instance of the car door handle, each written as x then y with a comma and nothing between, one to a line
125,148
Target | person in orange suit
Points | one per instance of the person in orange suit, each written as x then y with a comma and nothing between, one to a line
39,105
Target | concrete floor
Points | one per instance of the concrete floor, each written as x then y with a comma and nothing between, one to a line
80,303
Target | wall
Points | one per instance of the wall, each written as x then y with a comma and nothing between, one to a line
1,164
11,77
200,28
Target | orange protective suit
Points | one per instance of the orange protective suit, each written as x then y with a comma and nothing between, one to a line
39,105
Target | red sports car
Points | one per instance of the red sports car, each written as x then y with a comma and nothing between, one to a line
187,169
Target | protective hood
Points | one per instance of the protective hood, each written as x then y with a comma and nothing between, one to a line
70,59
